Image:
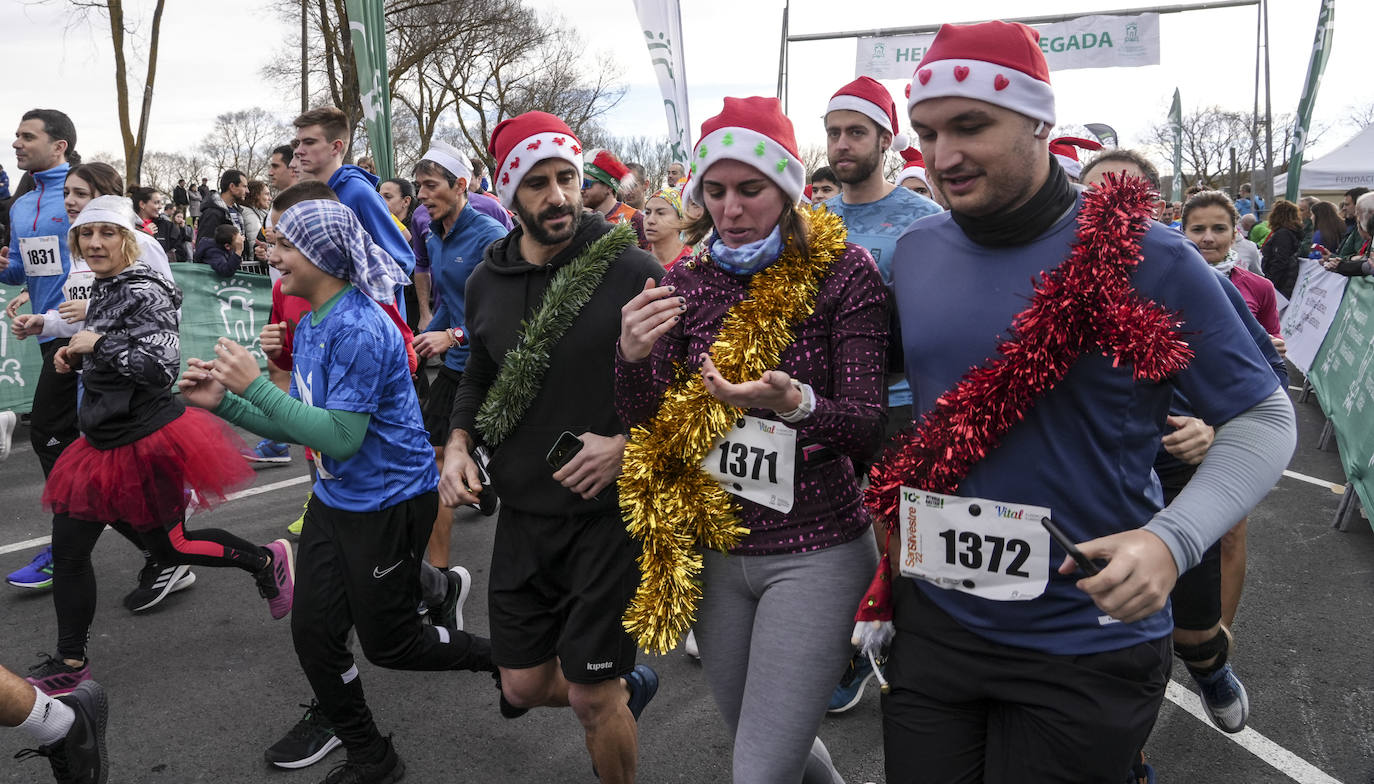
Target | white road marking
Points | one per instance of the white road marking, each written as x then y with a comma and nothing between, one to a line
252,491
1276,756
1338,489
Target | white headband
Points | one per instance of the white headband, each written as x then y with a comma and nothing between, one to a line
451,158
106,209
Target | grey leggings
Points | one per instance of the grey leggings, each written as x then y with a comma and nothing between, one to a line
774,637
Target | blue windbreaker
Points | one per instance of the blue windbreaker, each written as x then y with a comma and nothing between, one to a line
40,213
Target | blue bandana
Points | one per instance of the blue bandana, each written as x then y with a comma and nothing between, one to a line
750,258
331,238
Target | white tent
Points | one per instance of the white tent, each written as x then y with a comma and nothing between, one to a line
1348,166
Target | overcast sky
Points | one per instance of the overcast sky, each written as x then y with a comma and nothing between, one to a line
213,52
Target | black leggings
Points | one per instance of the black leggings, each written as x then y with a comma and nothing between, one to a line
1196,596
73,584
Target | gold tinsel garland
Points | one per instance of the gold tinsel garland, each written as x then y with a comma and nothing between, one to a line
671,503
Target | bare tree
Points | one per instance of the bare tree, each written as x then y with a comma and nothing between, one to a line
161,170
1360,115
244,140
654,153
1211,133
813,157
134,137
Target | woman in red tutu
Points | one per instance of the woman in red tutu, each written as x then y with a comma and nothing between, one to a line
142,454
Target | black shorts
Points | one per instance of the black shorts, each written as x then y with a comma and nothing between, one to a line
964,709
438,408
1196,597
559,587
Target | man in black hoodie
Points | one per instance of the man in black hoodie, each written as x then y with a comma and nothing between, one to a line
563,567
220,208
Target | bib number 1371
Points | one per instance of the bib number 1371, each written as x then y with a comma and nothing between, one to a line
743,461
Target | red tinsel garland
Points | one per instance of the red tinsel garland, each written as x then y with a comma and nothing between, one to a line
1085,304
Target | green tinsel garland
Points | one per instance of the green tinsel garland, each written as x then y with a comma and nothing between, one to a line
522,370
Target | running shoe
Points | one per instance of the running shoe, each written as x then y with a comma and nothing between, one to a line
450,613
1224,698
37,575
155,582
277,580
296,527
1141,773
643,683
851,688
308,742
508,711
269,451
79,758
7,422
390,769
55,677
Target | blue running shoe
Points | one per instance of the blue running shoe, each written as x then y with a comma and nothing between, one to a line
851,687
37,575
268,451
643,683
1224,697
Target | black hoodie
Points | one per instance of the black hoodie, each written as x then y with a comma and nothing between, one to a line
578,393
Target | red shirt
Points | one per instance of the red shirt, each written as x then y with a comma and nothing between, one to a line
292,309
1259,296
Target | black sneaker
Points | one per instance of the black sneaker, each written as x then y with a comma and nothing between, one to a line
306,743
450,613
155,582
508,711
79,758
391,769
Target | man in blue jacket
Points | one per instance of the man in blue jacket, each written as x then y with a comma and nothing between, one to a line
44,144
321,138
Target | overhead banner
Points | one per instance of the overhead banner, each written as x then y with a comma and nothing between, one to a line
661,21
1085,42
1343,378
1308,317
212,307
367,29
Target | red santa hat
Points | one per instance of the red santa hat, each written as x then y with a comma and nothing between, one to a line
806,195
869,98
1066,148
996,62
605,168
915,167
519,143
754,131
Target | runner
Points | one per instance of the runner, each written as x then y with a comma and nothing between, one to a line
70,730
142,455
788,324
913,173
1006,665
605,177
663,224
860,127
563,568
366,526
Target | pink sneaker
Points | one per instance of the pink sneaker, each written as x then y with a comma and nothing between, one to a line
277,582
54,677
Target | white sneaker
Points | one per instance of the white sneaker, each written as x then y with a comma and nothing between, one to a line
8,420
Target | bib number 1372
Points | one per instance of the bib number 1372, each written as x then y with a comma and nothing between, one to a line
992,549
991,552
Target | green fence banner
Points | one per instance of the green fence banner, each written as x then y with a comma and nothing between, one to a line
1343,378
212,307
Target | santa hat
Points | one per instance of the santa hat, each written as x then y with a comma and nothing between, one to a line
754,131
915,167
1066,148
806,195
605,168
519,143
869,98
996,62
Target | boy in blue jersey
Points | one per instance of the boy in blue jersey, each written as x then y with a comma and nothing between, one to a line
374,503
860,127
44,145
458,238
1025,670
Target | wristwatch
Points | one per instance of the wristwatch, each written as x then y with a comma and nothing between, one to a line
808,404
460,338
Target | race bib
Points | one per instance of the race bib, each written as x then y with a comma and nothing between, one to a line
756,460
78,285
42,256
991,549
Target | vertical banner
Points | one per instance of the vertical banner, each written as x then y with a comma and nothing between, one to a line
1104,133
367,28
1305,322
1321,52
1176,126
662,24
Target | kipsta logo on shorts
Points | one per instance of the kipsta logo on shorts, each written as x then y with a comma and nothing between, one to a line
597,666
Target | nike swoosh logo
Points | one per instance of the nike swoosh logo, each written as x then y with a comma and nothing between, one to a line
380,573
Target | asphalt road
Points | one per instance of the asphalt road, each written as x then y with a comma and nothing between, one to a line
202,684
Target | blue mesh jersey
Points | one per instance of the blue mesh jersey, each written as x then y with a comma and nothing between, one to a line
354,360
876,226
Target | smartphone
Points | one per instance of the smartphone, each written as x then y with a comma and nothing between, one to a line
1088,567
564,449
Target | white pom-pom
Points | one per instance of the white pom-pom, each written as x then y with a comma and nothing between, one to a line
900,142
871,637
